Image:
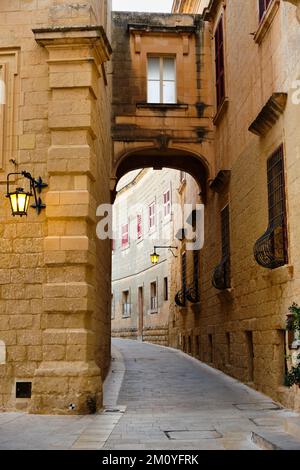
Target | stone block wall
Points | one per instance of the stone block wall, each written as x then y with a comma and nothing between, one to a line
52,265
242,330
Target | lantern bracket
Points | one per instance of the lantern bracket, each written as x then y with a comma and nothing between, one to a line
170,248
36,186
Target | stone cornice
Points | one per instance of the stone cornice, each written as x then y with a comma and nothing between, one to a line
146,28
62,35
210,12
269,114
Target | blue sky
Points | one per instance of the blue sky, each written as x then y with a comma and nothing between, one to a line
143,5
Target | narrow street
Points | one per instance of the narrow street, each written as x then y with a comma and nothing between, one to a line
159,398
175,402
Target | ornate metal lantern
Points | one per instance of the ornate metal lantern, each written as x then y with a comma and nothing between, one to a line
19,199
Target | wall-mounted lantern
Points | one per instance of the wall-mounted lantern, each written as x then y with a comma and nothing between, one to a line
19,198
155,256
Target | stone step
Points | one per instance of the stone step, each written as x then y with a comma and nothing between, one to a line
292,426
268,440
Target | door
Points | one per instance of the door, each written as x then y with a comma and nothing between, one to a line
141,313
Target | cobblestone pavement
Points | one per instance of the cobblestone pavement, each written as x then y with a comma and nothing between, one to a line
159,398
175,402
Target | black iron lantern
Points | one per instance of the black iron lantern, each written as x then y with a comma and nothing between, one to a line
154,257
19,199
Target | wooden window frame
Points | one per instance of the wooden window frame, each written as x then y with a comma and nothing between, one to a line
166,289
277,211
152,217
196,271
183,271
126,312
139,227
220,63
161,78
225,235
167,203
153,299
263,6
125,241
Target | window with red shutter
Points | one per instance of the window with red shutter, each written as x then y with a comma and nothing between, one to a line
167,203
263,6
125,237
219,58
139,226
152,216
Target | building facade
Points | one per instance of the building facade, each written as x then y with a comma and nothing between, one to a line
249,269
55,124
144,218
211,90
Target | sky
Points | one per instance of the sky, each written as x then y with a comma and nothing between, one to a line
143,5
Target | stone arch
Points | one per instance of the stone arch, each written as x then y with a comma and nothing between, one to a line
151,157
2,352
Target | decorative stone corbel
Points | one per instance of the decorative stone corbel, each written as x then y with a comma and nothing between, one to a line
297,4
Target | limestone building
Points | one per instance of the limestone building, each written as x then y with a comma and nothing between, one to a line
55,124
211,90
144,218
249,268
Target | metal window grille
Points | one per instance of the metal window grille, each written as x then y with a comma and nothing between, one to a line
271,249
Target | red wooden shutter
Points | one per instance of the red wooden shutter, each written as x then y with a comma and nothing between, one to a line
220,71
125,238
152,215
167,203
139,226
263,6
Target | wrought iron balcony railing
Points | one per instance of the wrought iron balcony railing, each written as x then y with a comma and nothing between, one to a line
269,250
221,275
192,294
180,298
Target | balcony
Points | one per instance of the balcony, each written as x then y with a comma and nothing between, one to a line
221,275
180,298
270,249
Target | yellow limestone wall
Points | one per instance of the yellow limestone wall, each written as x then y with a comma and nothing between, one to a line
255,67
55,124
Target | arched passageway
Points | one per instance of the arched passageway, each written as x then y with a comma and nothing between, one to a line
158,158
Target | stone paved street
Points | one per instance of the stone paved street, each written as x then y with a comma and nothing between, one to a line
159,398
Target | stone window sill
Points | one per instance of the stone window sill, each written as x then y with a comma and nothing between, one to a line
280,275
162,106
152,311
266,22
221,110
